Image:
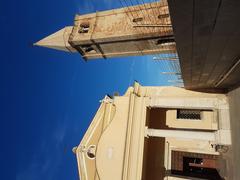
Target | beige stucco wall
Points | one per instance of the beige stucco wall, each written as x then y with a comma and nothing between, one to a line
120,143
86,165
208,121
110,151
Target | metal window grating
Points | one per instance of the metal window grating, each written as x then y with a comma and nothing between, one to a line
190,114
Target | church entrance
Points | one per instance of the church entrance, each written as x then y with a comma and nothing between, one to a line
195,165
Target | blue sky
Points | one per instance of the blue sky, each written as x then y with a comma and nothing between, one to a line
49,96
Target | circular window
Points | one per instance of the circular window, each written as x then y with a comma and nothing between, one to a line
91,152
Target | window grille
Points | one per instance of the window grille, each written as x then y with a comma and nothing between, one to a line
190,114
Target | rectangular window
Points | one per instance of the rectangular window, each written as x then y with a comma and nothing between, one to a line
189,114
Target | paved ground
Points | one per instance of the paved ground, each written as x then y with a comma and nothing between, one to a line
234,153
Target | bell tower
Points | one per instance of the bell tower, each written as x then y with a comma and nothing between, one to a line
130,31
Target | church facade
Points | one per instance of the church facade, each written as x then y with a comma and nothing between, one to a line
156,133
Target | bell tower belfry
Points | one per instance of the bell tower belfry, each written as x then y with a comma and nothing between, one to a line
130,31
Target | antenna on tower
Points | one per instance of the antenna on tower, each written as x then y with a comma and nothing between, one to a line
171,73
165,58
175,81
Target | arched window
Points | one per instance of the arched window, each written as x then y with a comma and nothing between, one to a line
137,19
163,16
88,49
84,27
165,40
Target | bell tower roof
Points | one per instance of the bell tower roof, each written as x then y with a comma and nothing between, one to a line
58,40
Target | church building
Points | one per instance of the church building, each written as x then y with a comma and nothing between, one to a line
153,133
